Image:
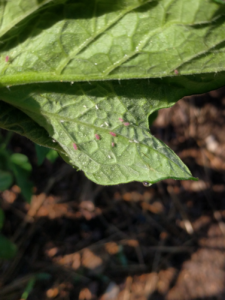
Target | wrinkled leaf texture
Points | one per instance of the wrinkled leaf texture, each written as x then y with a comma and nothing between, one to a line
70,69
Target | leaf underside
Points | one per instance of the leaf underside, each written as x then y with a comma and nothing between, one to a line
71,69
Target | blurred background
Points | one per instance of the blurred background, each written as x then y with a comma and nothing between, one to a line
64,237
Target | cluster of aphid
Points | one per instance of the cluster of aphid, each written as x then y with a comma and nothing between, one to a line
97,136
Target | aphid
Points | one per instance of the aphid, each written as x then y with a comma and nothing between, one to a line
120,119
106,124
97,136
102,125
72,82
109,156
176,72
7,58
113,144
112,133
53,141
96,106
126,123
75,146
136,141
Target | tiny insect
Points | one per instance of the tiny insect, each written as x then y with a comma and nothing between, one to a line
126,123
7,58
96,106
176,72
112,133
97,136
75,146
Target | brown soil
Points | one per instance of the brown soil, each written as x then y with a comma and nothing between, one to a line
125,242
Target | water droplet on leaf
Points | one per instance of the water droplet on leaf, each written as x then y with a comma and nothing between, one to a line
146,184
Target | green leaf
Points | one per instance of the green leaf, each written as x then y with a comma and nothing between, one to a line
52,156
22,168
41,153
6,180
74,68
2,218
4,158
15,120
7,248
12,14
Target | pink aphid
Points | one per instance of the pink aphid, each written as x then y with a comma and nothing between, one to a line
75,146
97,136
126,123
112,133
113,144
176,72
120,119
7,58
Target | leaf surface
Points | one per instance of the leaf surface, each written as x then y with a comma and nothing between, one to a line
74,69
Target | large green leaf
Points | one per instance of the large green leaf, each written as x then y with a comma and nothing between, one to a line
112,46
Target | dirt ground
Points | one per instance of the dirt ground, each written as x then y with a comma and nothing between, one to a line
125,242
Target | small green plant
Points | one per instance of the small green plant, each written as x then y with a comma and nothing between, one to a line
14,167
84,78
43,152
7,248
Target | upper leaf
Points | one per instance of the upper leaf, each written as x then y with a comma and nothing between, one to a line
89,40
